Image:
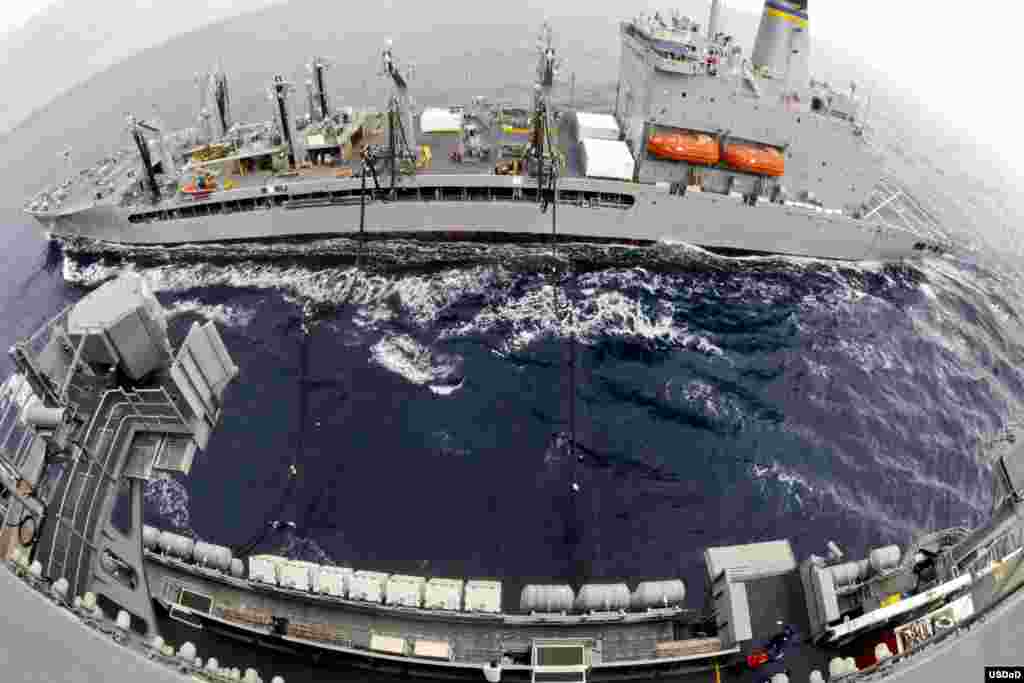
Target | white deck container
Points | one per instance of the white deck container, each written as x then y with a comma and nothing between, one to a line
213,556
333,581
368,586
435,120
176,545
655,594
434,649
752,560
263,568
606,159
292,574
596,126
443,594
391,644
602,597
483,596
404,590
546,598
150,538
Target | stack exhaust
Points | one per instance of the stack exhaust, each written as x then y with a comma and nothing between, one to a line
782,47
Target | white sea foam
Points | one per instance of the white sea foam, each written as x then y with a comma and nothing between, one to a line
408,358
170,498
225,314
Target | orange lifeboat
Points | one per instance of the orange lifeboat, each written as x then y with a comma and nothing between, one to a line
755,159
692,147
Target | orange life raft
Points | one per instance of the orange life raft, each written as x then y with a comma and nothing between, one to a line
755,159
692,147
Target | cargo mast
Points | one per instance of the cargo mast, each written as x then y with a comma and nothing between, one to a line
221,100
541,151
280,90
318,92
401,130
135,127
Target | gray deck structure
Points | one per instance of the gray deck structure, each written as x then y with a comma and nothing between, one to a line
98,407
100,403
43,643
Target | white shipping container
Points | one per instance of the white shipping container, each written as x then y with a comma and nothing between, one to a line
263,568
443,594
483,596
435,120
404,590
606,159
596,126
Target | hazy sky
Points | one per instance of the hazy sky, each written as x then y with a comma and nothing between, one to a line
15,14
958,64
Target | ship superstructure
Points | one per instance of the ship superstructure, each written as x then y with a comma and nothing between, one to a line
704,146
678,79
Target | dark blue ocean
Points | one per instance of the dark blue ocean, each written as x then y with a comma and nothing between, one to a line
418,390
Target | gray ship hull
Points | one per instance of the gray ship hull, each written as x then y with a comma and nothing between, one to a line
465,205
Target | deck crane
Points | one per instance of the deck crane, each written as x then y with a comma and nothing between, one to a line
318,92
402,149
278,93
542,153
221,99
136,128
202,81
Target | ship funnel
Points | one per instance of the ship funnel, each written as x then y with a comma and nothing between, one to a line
715,20
782,47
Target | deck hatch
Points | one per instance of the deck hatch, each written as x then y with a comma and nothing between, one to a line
558,677
185,617
195,601
561,660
